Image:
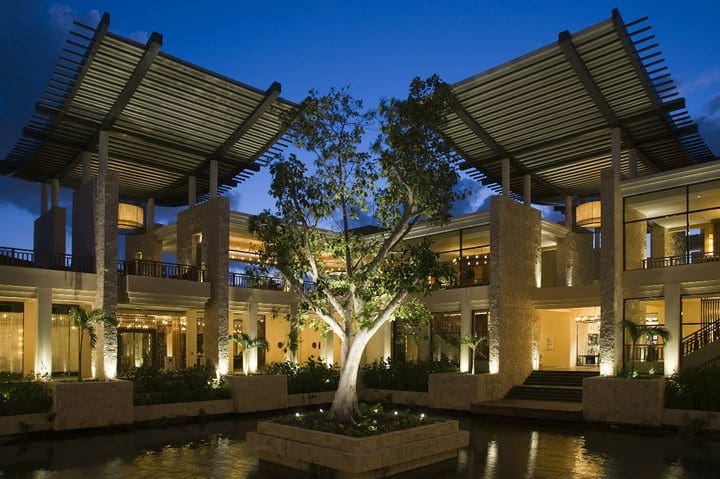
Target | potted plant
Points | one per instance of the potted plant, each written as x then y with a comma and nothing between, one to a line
247,344
85,322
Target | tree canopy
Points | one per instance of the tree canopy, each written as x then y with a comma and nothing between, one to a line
405,175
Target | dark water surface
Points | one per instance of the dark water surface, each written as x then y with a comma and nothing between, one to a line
497,450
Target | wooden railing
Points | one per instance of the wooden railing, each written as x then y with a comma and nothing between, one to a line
157,269
701,338
645,352
30,259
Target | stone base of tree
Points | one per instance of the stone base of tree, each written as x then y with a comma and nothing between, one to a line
91,404
258,393
358,457
624,401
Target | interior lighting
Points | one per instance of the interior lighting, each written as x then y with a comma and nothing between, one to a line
587,215
130,217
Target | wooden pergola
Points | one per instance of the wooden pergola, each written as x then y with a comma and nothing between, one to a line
550,113
167,120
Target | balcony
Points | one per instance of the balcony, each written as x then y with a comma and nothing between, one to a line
241,280
679,260
62,262
156,269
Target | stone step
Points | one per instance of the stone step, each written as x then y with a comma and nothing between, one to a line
546,393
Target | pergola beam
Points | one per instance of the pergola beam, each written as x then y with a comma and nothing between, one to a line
152,48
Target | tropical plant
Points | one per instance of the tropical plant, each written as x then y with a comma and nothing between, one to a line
636,332
404,375
85,322
247,344
473,341
360,281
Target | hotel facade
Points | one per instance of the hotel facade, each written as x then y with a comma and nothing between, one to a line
591,124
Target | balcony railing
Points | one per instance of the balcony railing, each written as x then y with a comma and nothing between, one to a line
30,259
240,280
156,269
678,260
643,353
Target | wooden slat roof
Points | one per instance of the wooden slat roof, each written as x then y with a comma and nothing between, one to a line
550,112
167,119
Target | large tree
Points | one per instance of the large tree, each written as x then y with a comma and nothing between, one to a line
406,175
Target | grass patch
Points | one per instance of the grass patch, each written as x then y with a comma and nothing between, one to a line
375,420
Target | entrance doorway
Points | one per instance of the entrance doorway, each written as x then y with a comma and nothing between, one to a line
137,349
569,338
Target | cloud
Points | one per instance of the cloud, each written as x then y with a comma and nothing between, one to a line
478,198
713,105
709,127
700,82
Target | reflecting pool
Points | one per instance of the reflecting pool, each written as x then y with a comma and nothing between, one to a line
497,450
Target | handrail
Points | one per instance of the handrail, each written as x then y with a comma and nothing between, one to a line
158,269
242,280
701,338
645,352
679,260
31,259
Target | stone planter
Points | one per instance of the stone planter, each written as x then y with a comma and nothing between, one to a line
358,457
458,391
153,412
310,399
406,398
685,418
25,423
258,393
91,404
624,401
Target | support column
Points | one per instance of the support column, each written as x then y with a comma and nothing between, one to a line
190,338
213,178
55,186
86,160
527,189
616,149
673,307
329,341
192,191
611,265
569,212
44,194
43,349
506,176
387,340
465,328
633,153
252,331
150,214
103,152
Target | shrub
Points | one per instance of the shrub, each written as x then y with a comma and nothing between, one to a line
19,396
312,376
694,389
154,386
404,375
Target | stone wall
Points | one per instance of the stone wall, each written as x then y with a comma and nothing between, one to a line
611,265
91,404
576,263
146,243
514,249
635,240
49,237
258,393
83,230
212,220
624,401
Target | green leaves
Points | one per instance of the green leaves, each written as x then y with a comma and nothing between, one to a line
247,343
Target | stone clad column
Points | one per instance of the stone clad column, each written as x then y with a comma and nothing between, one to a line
251,329
514,247
673,308
506,176
192,192
611,264
43,350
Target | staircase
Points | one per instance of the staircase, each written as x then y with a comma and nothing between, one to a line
563,386
702,346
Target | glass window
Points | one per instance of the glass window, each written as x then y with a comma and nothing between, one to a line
11,338
644,351
657,204
64,341
445,338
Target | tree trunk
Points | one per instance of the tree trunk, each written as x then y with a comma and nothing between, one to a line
246,362
472,360
345,405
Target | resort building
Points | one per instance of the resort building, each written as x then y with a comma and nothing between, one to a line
591,124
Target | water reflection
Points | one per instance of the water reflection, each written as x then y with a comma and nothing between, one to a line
218,450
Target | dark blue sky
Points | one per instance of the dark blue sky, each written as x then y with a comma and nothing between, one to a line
376,47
